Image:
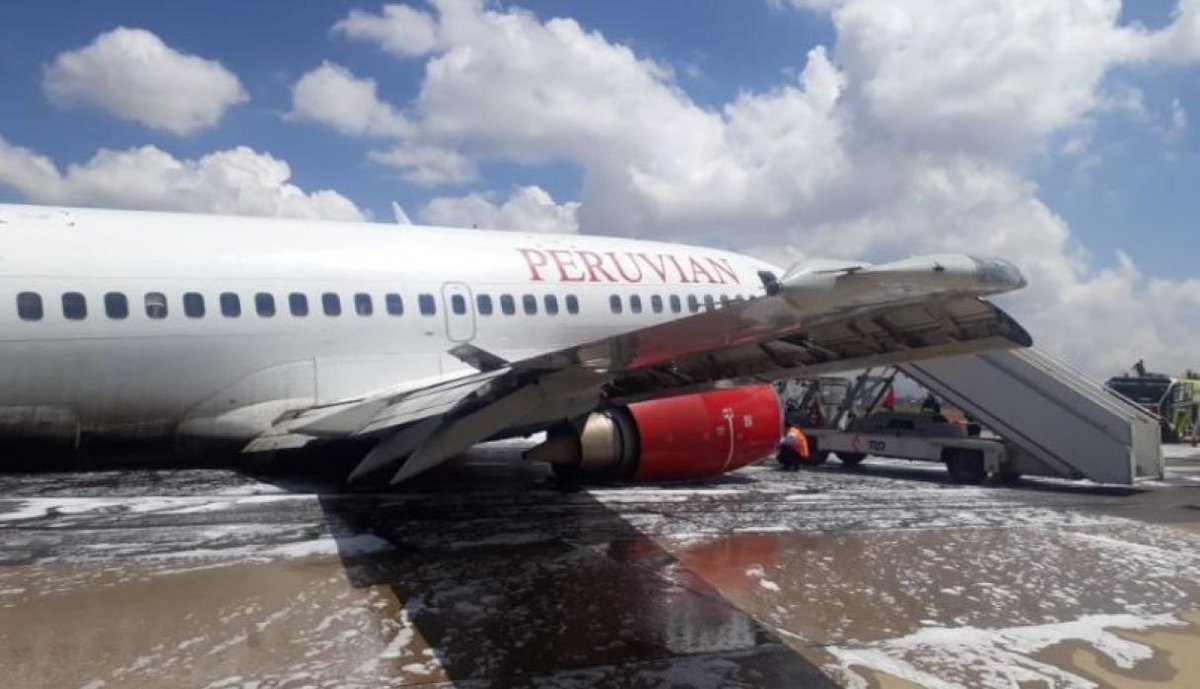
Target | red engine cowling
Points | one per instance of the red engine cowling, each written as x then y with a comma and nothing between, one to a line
683,437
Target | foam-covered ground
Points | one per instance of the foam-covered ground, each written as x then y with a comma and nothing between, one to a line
486,575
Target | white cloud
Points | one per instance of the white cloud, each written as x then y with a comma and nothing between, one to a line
910,136
528,209
428,165
398,29
1180,41
132,74
992,77
332,96
238,181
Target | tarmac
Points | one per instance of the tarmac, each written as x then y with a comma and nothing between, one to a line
485,574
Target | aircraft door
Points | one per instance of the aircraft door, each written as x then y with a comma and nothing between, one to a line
460,311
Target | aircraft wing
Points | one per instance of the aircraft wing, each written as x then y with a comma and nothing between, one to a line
814,322
811,321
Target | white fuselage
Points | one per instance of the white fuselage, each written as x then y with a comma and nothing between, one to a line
227,375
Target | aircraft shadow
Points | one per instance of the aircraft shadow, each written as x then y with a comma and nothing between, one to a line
502,581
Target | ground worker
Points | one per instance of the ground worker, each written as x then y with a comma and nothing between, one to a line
889,399
931,405
793,449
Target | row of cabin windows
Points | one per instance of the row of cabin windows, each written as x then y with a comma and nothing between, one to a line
617,305
508,304
116,305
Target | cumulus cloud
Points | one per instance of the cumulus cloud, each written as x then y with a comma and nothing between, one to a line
980,76
132,74
428,165
528,209
398,29
909,135
1180,41
238,181
333,96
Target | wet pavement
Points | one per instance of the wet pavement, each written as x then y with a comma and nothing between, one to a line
485,575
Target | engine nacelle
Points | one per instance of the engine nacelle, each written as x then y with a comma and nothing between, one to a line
683,437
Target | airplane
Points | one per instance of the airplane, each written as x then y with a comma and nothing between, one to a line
639,359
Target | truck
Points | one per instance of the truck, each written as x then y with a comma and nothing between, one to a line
922,436
1175,401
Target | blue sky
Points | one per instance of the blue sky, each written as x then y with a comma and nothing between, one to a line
269,50
1139,198
1054,134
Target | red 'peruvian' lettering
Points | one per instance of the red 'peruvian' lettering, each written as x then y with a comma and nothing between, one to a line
564,259
698,269
682,276
620,269
721,265
534,259
660,270
592,260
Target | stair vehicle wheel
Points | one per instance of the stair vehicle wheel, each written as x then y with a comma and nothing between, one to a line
815,458
965,466
851,459
1009,477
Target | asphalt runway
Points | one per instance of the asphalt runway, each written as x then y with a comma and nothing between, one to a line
486,575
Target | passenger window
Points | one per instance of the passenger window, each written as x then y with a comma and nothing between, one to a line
74,306
551,304
693,303
29,306
395,305
529,304
483,302
363,305
676,306
614,303
264,304
635,304
193,305
231,305
507,305
298,304
458,304
116,306
572,303
156,305
724,300
427,305
708,302
331,304
656,303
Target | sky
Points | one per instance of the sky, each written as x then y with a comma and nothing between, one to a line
1059,134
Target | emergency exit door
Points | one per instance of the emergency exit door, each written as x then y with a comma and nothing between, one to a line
460,311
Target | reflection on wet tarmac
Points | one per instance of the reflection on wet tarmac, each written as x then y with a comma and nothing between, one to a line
595,602
488,577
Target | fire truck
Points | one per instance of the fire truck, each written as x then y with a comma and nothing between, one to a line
1175,401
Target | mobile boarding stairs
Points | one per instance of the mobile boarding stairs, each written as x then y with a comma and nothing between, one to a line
1052,420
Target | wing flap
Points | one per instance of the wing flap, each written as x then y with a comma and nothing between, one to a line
871,338
389,410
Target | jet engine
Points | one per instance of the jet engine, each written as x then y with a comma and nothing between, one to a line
682,437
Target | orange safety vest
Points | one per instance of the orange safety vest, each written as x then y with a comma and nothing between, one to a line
800,443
